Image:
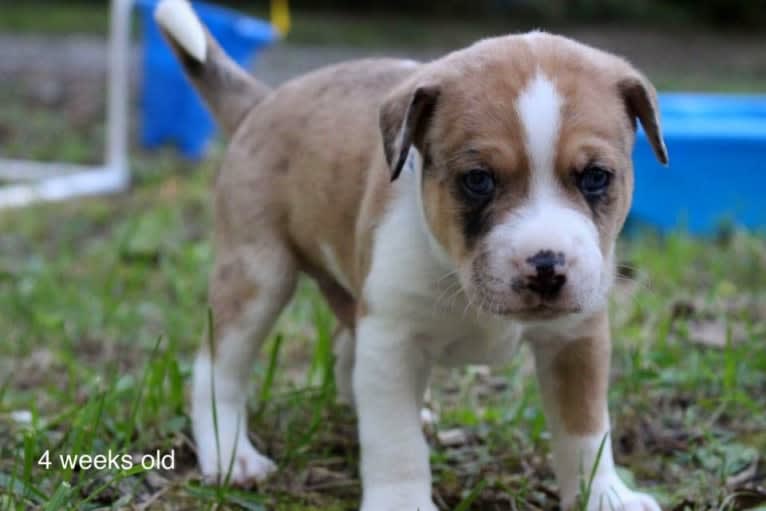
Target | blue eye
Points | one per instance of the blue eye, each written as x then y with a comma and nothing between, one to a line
594,181
478,183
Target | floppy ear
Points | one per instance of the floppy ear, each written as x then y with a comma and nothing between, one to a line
641,101
404,117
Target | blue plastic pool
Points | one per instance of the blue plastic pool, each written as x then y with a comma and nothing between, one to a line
171,111
717,172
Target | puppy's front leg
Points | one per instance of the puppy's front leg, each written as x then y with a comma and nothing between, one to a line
390,377
573,378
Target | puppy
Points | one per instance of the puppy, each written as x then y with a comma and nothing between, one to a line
448,211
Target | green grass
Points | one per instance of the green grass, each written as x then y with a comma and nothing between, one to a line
102,304
55,18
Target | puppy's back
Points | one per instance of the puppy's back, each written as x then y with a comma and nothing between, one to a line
305,155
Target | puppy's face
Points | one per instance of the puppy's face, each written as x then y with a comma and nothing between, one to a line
527,178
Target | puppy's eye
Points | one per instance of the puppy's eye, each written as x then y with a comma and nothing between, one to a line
478,184
593,181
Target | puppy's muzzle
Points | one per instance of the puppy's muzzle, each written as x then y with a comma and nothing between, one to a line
546,275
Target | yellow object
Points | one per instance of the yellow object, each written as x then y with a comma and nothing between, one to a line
280,16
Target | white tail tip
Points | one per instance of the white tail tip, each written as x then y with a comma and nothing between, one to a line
180,22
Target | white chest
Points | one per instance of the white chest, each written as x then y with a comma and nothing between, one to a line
414,287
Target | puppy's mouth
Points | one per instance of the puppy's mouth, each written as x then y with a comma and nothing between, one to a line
531,309
542,312
536,313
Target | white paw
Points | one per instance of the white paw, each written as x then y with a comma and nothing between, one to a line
617,497
634,501
395,506
248,467
397,498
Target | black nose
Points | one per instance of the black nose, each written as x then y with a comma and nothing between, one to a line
547,260
546,281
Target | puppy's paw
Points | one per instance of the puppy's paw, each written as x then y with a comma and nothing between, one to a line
617,497
639,502
248,468
395,506
397,498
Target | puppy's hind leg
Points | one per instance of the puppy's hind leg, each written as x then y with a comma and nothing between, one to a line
249,287
344,348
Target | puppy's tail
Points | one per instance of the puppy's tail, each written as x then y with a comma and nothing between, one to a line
229,91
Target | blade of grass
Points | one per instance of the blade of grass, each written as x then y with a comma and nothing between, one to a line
60,497
268,380
139,394
587,489
465,504
120,475
15,486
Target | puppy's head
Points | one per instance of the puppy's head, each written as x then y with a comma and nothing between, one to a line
525,143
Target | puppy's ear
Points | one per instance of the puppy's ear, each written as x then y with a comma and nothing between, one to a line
404,117
641,101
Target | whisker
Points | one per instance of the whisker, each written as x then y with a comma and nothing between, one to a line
450,290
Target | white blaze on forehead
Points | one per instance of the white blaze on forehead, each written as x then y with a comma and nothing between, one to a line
539,108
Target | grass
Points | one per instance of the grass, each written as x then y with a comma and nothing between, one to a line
102,304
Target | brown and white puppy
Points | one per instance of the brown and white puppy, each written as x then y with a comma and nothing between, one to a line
448,211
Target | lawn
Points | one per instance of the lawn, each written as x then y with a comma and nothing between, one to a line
102,305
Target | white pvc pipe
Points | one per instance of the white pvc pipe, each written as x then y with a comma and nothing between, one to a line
119,93
60,181
25,171
96,181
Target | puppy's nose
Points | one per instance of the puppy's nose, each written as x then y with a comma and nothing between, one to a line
548,278
547,260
